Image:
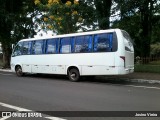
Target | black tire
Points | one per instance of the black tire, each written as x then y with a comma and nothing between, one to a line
19,71
73,75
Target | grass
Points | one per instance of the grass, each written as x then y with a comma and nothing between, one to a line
152,67
155,63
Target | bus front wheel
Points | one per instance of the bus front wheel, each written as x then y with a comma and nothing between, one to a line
73,75
19,71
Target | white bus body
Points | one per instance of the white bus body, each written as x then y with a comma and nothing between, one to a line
104,52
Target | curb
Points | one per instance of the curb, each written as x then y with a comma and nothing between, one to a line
144,81
6,70
123,79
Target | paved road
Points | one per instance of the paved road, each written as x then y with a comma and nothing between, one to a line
56,93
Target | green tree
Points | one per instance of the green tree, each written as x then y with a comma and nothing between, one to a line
103,10
14,18
155,49
138,18
62,16
67,16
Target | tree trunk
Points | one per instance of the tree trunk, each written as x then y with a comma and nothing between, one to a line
6,55
103,8
146,22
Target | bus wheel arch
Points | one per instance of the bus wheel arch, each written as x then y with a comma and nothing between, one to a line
18,70
73,73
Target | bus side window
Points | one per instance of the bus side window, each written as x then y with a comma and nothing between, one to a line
88,43
114,42
128,42
51,46
18,49
78,44
27,48
66,45
103,42
37,47
83,44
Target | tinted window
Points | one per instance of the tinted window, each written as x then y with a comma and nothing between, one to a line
127,36
83,44
27,47
66,45
114,42
103,42
37,47
18,49
52,46
127,41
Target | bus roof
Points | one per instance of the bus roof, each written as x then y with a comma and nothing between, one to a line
72,34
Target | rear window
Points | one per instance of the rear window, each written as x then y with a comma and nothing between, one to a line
127,41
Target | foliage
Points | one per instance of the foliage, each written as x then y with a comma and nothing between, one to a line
155,49
23,26
15,23
103,8
63,16
156,29
139,18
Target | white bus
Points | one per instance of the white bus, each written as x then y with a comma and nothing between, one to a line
103,52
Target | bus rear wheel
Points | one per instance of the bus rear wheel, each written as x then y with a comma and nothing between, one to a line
19,71
73,75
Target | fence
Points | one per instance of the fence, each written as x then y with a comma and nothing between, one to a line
146,60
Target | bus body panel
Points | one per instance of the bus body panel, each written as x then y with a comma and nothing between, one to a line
119,62
129,62
95,64
129,52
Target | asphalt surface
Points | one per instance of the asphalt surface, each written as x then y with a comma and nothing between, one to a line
56,93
